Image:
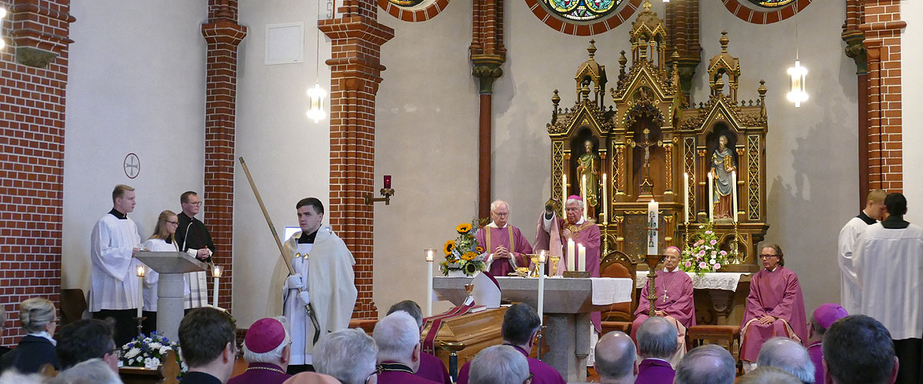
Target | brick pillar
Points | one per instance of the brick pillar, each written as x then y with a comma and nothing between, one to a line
882,28
855,49
222,34
34,66
355,69
487,56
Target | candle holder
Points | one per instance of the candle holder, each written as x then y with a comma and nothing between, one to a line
553,268
603,219
429,255
140,318
140,321
652,261
387,192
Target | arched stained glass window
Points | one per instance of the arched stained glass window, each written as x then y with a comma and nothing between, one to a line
582,10
772,3
405,3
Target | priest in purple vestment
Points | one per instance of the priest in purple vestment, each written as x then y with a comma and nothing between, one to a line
398,339
431,367
505,246
673,289
775,306
553,233
267,349
657,343
520,325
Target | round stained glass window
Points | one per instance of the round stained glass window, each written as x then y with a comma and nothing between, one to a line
772,3
582,10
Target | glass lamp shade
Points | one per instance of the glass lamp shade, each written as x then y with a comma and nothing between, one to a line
798,93
316,111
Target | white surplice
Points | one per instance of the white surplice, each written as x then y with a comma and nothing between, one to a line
848,239
114,280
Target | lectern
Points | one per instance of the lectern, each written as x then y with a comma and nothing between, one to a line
170,266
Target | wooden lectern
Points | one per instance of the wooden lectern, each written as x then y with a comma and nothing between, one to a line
170,291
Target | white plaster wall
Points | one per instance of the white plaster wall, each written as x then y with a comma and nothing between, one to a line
287,154
912,89
136,84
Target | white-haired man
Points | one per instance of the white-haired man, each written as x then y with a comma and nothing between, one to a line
657,342
398,340
267,349
348,355
789,355
707,364
505,246
499,364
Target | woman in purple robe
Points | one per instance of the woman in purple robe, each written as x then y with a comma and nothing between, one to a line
775,306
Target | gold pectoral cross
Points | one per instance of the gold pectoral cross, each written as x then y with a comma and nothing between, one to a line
665,297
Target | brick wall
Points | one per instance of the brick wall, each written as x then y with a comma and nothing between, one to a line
31,154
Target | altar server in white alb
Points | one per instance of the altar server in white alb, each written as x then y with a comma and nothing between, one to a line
889,260
323,278
849,237
115,239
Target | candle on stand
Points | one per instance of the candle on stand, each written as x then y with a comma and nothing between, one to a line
711,196
686,195
734,193
653,220
581,258
605,201
541,284
140,273
571,255
586,202
563,189
429,252
216,273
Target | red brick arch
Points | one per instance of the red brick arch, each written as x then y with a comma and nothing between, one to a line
583,29
750,15
415,14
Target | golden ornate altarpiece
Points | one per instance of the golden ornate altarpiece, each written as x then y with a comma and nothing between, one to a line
646,139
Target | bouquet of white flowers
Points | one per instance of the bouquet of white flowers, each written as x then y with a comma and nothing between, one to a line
149,352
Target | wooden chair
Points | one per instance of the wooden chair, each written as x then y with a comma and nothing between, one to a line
724,335
619,315
73,305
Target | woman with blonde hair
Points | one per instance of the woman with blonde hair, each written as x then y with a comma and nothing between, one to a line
161,240
38,319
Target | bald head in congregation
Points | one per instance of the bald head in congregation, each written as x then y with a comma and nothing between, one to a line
499,364
505,246
707,364
788,355
398,338
616,359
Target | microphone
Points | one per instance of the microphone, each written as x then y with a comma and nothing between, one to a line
186,235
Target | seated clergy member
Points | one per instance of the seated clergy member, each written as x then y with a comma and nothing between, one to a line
85,340
822,318
789,355
499,364
520,325
431,367
616,359
707,364
208,344
348,355
858,349
657,343
775,306
768,375
673,289
398,340
267,349
504,244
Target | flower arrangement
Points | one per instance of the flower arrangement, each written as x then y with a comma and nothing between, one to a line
149,351
463,253
704,255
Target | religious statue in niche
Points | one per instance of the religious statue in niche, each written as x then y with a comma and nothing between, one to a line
588,176
722,164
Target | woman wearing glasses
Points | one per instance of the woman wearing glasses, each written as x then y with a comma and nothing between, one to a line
775,306
162,240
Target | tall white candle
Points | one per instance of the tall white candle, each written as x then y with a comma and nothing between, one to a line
541,284
653,220
429,252
571,255
711,196
605,200
686,195
586,202
140,273
734,194
216,273
581,258
563,189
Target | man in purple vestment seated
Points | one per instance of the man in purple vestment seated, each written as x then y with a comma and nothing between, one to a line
504,245
431,367
673,289
349,355
789,355
520,325
657,343
859,350
267,349
822,318
500,364
616,359
775,306
706,364
398,339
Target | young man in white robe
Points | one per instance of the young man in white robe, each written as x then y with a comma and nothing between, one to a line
323,278
849,237
114,289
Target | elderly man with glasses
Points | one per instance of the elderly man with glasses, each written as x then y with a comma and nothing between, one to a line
505,246
673,289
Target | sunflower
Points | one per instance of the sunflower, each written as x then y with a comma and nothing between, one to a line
468,256
480,250
463,227
449,247
471,268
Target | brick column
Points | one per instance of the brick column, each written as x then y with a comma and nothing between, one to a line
355,69
487,55
222,34
34,66
882,28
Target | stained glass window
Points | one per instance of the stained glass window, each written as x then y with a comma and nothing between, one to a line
406,3
772,3
582,10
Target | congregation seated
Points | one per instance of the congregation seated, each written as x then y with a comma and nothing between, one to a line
616,358
822,318
499,364
520,326
267,349
85,340
707,364
431,367
208,343
858,349
673,289
788,355
349,355
92,371
768,375
775,306
398,339
656,343
37,318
